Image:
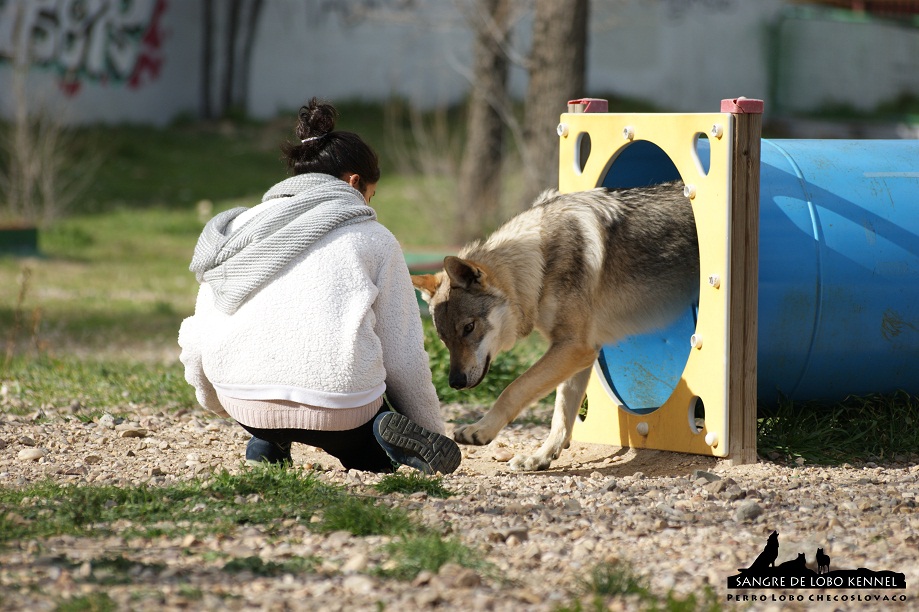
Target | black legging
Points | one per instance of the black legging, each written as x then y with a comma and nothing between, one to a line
355,448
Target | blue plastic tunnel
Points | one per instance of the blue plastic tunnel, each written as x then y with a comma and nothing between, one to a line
838,275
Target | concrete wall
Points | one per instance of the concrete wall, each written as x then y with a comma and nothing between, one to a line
822,61
110,65
141,61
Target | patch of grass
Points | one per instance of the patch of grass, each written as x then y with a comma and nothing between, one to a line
105,284
181,164
608,583
878,427
255,565
92,602
219,506
96,385
363,516
117,569
191,592
608,580
178,165
429,552
413,482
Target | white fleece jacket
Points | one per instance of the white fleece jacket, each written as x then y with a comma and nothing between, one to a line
332,330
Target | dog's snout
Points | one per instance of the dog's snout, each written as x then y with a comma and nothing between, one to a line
458,380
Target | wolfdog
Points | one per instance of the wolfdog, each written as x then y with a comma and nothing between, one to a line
584,269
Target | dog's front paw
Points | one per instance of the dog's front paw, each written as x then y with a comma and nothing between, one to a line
529,463
472,434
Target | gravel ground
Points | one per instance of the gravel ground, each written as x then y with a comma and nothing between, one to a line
680,521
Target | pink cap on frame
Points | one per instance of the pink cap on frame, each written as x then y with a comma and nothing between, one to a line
741,106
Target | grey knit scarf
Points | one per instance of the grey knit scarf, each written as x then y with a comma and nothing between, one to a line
237,264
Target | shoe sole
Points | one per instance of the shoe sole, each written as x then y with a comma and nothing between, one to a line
411,444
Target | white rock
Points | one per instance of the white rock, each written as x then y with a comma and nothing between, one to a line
32,454
357,563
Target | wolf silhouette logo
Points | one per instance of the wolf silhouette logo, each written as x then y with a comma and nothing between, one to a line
823,562
767,557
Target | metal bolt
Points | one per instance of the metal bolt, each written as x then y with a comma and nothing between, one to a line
695,341
562,130
642,429
711,438
717,131
628,132
689,191
714,280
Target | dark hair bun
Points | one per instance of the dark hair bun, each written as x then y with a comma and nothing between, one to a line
316,118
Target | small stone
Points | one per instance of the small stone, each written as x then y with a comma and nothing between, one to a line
31,454
26,441
133,432
357,563
358,584
107,421
708,476
92,459
423,578
86,570
748,511
572,505
520,533
532,552
503,455
457,576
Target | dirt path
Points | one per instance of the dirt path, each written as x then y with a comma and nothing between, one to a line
680,528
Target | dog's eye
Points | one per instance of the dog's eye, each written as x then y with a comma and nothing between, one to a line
468,329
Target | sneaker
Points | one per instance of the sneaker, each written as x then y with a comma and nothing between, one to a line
410,444
260,451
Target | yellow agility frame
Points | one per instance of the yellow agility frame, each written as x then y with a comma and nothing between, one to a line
706,375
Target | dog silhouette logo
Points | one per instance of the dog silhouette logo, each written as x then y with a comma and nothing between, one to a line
823,562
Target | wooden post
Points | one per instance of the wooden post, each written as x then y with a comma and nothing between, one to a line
744,290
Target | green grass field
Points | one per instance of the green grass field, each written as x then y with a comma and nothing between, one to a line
99,311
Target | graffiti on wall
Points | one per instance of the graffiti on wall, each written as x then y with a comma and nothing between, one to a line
100,41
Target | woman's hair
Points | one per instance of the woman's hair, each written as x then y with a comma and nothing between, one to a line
322,149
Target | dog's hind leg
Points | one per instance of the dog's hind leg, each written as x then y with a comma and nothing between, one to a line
568,398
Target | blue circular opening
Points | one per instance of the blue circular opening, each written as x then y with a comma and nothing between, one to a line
644,370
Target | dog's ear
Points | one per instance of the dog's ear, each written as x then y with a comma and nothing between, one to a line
463,274
426,284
